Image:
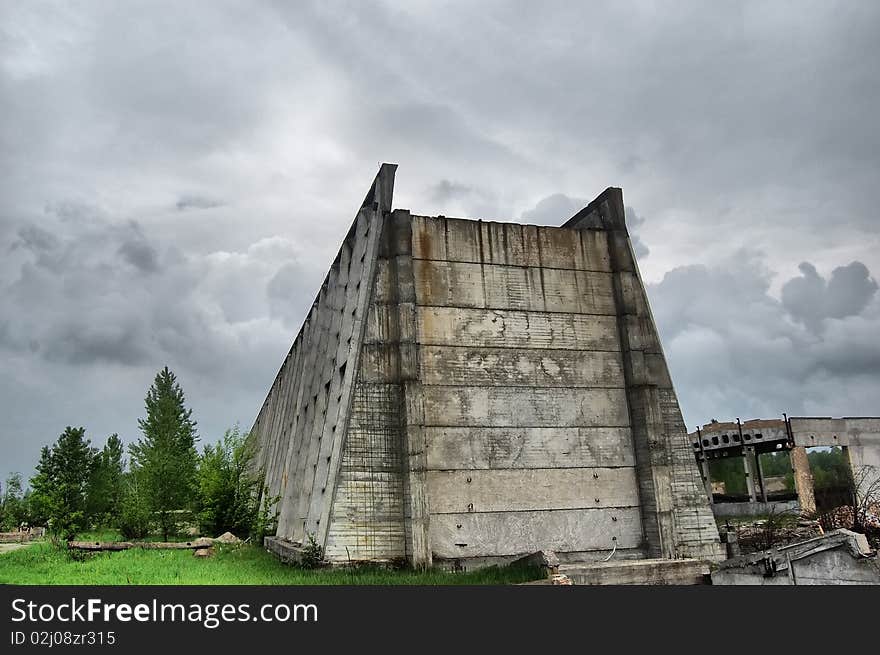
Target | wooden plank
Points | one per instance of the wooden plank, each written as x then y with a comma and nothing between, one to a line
498,448
482,534
201,542
520,367
515,329
531,489
493,286
525,407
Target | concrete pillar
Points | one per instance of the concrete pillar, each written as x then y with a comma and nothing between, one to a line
416,510
749,467
803,479
760,472
707,477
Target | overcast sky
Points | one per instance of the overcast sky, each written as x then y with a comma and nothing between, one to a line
175,179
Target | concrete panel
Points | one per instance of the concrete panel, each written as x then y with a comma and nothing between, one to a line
512,287
525,407
500,448
382,324
478,534
531,489
638,572
380,362
517,367
367,520
514,329
383,289
509,243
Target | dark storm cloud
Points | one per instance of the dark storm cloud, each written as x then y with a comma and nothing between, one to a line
558,208
240,137
811,299
446,190
86,343
139,252
289,292
553,210
196,202
734,349
35,239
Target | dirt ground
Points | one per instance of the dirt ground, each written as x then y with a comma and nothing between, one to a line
6,548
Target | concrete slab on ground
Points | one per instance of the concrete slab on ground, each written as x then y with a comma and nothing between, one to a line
638,572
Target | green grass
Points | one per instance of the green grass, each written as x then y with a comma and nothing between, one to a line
44,563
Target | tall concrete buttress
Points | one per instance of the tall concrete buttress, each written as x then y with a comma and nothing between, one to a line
468,391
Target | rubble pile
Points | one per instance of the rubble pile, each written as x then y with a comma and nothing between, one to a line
842,517
761,535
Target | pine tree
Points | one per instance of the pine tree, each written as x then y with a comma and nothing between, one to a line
61,483
164,461
41,485
105,483
12,507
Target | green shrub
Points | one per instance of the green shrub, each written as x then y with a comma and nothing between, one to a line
135,518
312,554
229,489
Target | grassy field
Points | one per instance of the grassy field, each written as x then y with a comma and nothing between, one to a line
43,563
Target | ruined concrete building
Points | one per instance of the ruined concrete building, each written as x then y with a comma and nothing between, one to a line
859,437
463,392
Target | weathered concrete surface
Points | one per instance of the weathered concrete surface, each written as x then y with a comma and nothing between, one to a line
803,479
480,534
638,572
524,448
286,551
756,508
465,391
860,437
841,557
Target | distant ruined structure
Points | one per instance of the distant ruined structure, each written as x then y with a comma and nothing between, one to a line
858,437
465,392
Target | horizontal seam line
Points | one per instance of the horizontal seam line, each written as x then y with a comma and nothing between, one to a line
538,267
477,345
511,309
554,427
536,468
521,386
545,509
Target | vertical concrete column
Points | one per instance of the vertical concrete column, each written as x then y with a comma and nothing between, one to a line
760,472
416,510
749,468
803,479
706,475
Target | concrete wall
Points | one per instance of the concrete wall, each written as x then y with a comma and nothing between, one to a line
677,519
756,508
860,436
830,567
526,423
477,391
301,427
